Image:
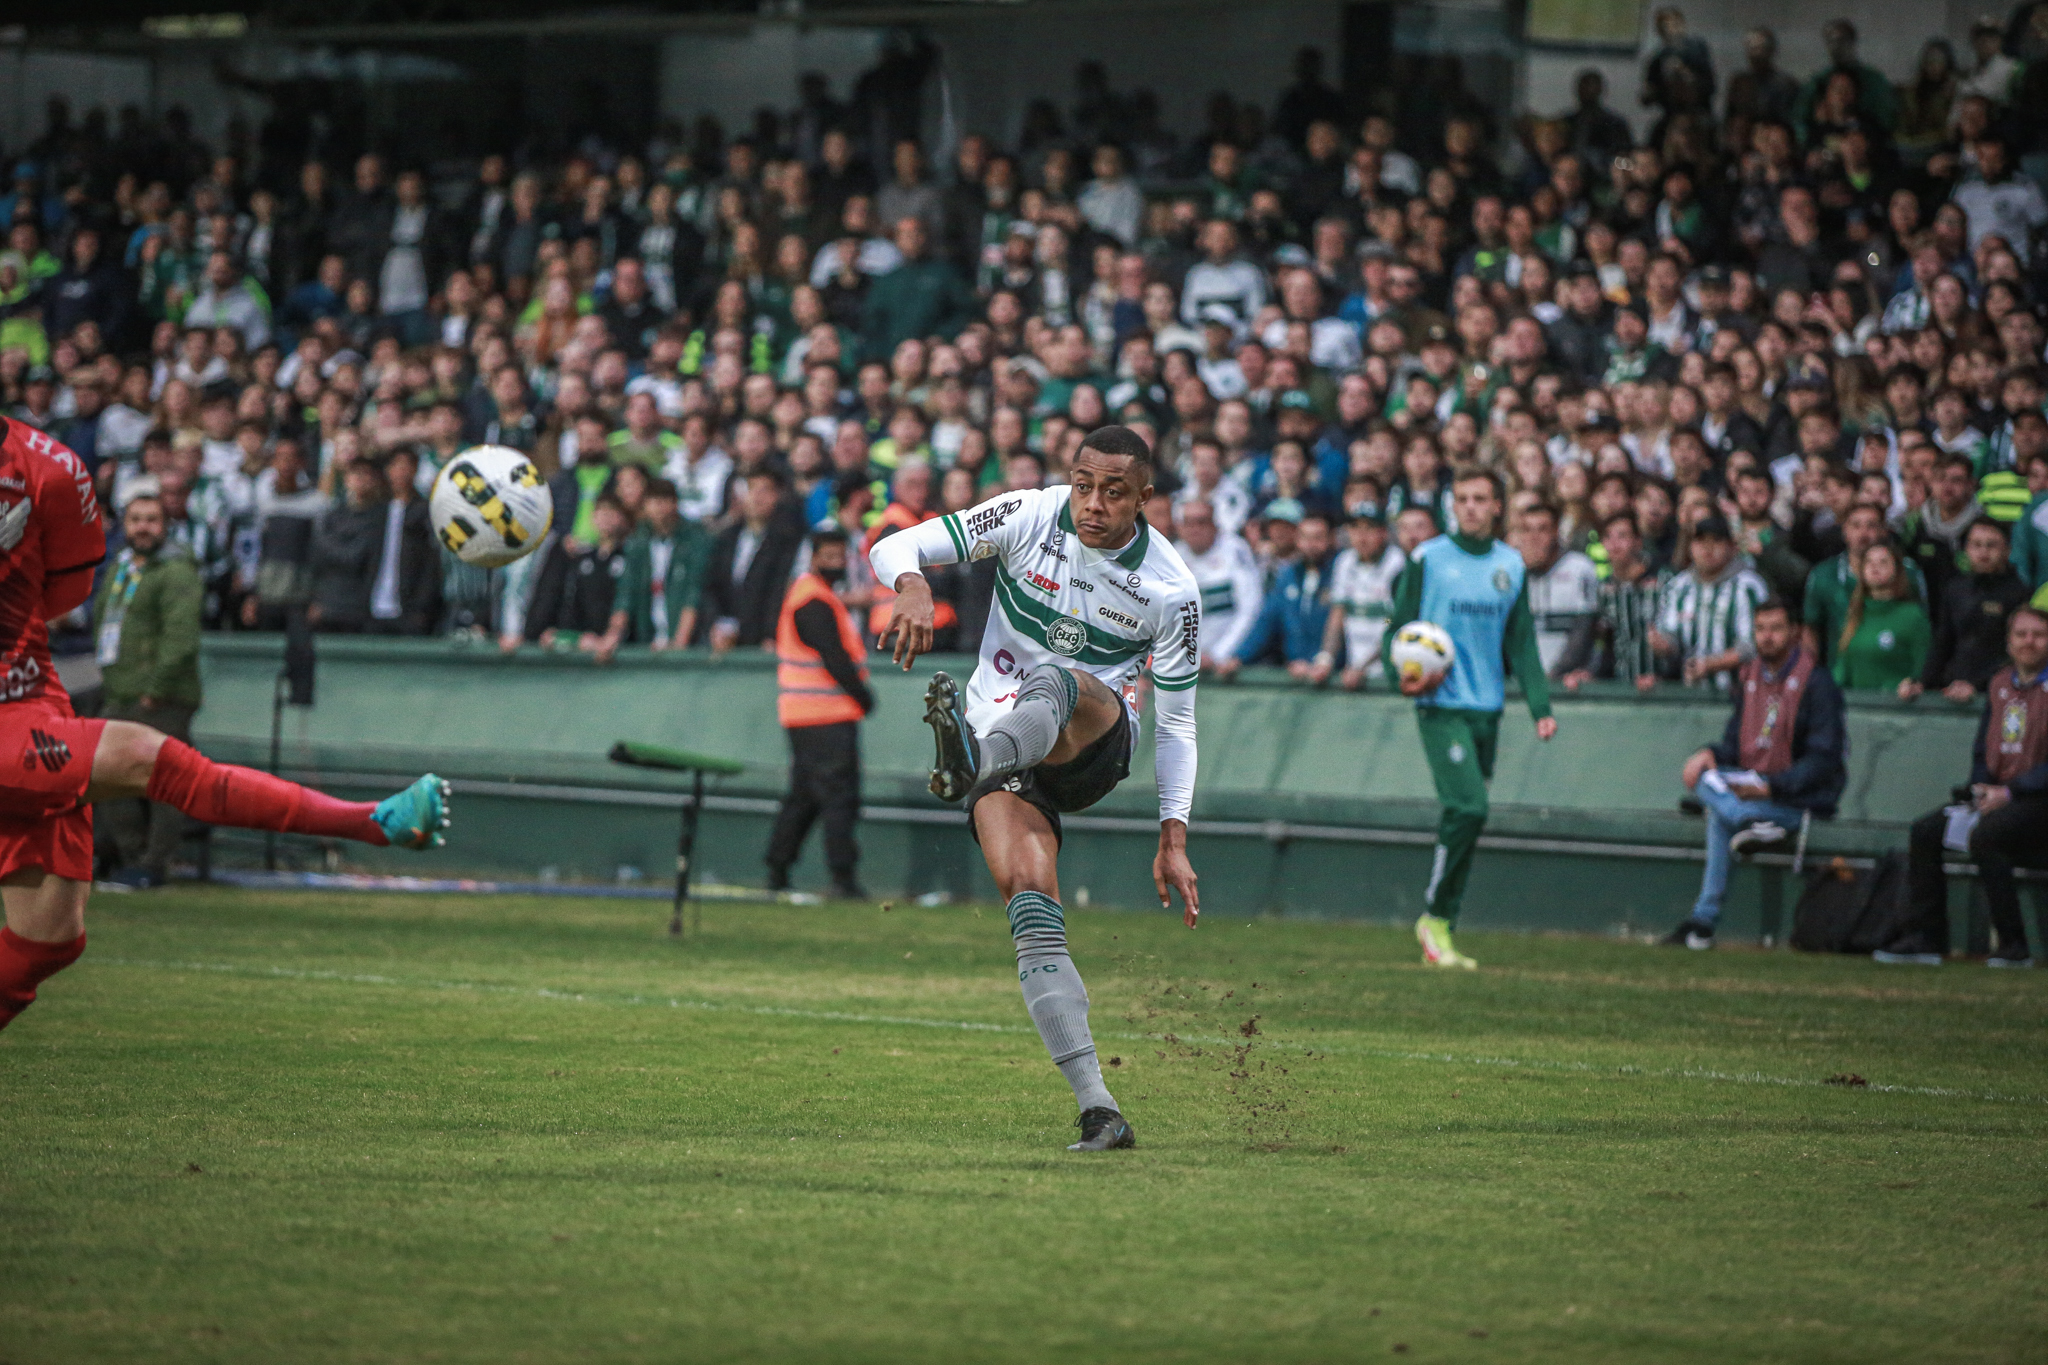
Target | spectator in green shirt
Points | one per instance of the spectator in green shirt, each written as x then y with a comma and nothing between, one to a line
146,628
918,298
1885,637
666,556
643,440
1833,581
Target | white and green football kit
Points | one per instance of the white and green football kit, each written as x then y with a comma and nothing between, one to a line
1059,602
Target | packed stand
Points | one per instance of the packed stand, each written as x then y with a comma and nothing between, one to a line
1789,348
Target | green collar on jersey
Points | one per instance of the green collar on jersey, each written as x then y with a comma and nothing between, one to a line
1132,555
1472,545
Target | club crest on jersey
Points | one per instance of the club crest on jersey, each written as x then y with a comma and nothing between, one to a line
51,752
1500,580
1065,637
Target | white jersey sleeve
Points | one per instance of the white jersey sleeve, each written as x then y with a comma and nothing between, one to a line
993,527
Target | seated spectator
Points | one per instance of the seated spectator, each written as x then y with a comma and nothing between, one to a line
576,587
1781,757
1969,629
2005,821
1289,628
666,558
1361,598
750,566
1706,627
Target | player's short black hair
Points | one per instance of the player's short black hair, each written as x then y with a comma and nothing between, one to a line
1121,440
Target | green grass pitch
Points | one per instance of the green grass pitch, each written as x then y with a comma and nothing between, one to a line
309,1128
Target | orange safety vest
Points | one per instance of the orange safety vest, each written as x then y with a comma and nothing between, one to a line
897,517
807,693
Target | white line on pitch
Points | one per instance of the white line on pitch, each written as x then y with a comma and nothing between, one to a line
970,1026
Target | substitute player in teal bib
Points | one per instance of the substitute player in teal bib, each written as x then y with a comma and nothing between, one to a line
1471,585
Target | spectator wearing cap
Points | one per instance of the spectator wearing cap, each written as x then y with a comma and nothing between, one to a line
2003,824
1969,633
666,557
1291,621
38,405
227,298
1782,756
1708,613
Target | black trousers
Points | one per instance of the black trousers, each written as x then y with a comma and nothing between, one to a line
2014,834
140,833
824,781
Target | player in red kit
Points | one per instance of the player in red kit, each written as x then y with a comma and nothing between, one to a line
53,765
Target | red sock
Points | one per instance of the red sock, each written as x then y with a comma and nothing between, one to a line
26,964
222,794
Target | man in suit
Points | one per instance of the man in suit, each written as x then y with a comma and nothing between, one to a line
750,566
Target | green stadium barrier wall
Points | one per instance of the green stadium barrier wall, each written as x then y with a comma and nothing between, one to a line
1308,802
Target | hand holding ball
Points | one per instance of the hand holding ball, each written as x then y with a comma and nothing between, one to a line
1422,653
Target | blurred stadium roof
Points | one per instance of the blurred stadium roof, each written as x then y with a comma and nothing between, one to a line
184,18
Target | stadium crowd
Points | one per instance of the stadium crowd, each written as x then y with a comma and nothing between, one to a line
1789,346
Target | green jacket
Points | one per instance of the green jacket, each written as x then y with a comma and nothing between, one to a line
688,561
915,299
158,654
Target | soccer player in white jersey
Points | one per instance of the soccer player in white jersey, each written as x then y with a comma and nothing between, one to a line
1085,595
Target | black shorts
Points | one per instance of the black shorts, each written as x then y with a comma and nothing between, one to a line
1052,788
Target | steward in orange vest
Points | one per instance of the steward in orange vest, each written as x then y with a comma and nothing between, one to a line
822,687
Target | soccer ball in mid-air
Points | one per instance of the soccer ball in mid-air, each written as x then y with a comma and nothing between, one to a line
490,507
1422,650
